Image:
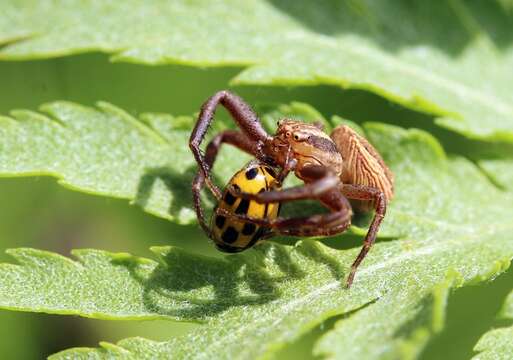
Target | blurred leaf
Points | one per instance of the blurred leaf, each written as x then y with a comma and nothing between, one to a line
497,344
451,59
16,341
500,170
507,311
471,312
255,303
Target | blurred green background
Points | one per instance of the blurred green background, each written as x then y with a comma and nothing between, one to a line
36,212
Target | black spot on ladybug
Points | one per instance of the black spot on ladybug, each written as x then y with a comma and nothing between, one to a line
230,235
251,173
229,198
270,171
220,220
248,229
243,207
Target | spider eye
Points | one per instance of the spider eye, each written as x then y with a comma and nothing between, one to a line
287,134
296,137
279,122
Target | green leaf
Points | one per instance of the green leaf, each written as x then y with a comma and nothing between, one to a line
106,152
507,311
497,344
458,69
452,228
500,171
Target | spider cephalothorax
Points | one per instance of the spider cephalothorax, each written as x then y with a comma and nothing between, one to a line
308,144
334,169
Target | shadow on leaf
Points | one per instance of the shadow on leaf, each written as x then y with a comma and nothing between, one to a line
178,184
175,182
312,250
196,287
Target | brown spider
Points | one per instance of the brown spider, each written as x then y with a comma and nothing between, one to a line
334,169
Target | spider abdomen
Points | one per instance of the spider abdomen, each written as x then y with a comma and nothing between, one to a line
231,234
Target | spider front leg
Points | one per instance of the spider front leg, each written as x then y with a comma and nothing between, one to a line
361,192
235,138
310,226
245,118
325,189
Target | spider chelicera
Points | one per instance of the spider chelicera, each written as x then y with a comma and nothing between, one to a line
334,168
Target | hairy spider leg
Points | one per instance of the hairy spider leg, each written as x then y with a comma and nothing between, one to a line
244,116
235,138
361,192
325,189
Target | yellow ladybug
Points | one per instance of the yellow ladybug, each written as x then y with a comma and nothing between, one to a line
234,235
